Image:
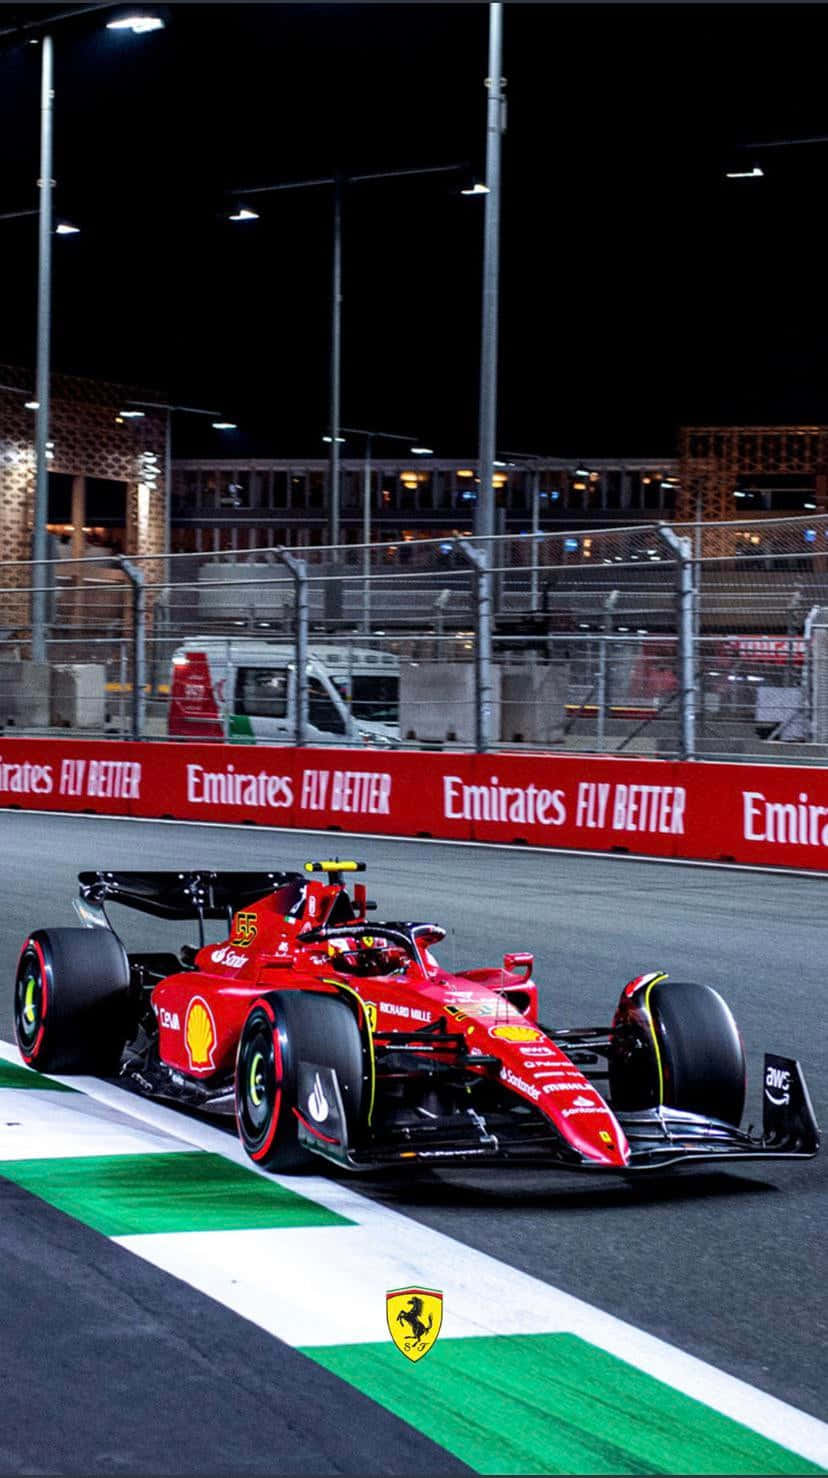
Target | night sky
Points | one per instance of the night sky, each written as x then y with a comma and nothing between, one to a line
639,290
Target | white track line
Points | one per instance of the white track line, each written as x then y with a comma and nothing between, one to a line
813,875
402,1250
31,1129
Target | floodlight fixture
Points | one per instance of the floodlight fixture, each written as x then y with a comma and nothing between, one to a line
139,25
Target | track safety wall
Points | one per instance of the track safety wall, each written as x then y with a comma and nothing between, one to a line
764,814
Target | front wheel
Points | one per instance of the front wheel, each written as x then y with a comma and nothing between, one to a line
676,1043
289,1036
71,1001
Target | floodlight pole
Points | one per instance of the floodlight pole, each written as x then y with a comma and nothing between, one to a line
484,513
336,364
40,512
366,510
339,181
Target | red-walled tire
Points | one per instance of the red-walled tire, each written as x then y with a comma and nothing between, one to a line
72,1001
282,1029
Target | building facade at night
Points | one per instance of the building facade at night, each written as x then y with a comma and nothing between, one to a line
106,466
242,504
109,465
107,493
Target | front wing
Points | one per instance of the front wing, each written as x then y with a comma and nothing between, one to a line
659,1138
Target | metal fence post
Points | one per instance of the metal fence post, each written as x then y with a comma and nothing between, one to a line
533,578
299,570
609,604
479,561
139,644
366,540
122,684
686,597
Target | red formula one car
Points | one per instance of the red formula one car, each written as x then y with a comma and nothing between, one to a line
328,1035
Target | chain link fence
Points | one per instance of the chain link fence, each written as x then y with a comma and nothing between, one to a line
616,641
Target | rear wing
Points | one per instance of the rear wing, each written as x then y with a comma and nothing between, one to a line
185,895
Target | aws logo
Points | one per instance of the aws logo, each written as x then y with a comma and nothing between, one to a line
200,1033
779,1080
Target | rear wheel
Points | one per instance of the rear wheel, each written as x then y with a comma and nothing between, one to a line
676,1043
71,1001
283,1030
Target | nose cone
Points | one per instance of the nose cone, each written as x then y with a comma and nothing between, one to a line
543,1074
594,1132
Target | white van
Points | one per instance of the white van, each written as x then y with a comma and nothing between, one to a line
245,689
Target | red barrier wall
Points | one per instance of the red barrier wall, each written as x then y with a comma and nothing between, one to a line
771,814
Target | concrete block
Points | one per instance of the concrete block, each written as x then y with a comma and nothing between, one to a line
437,702
78,695
533,697
24,694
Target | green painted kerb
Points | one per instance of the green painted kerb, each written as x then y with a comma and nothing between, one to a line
186,1191
12,1076
551,1403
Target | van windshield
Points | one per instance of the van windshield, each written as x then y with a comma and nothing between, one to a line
322,710
374,696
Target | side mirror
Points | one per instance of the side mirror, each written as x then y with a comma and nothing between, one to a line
520,959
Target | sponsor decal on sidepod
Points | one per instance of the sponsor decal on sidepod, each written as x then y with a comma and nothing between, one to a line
200,1033
228,956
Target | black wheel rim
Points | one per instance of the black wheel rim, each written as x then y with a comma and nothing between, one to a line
28,1000
256,1081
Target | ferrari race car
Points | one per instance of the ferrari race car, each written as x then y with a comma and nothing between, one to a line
331,1036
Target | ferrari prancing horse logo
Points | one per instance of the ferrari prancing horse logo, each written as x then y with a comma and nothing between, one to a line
414,1318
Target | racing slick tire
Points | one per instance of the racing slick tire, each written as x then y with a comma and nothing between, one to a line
72,1001
676,1043
283,1029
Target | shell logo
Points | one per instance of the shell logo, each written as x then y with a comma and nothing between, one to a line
200,1033
515,1033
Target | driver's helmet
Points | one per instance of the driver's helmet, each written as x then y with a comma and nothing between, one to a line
366,954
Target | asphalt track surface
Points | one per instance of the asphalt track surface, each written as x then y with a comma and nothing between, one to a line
143,1374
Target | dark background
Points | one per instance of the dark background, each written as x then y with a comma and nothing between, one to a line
639,290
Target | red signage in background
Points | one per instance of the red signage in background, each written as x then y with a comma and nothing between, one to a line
756,651
771,814
73,775
570,801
